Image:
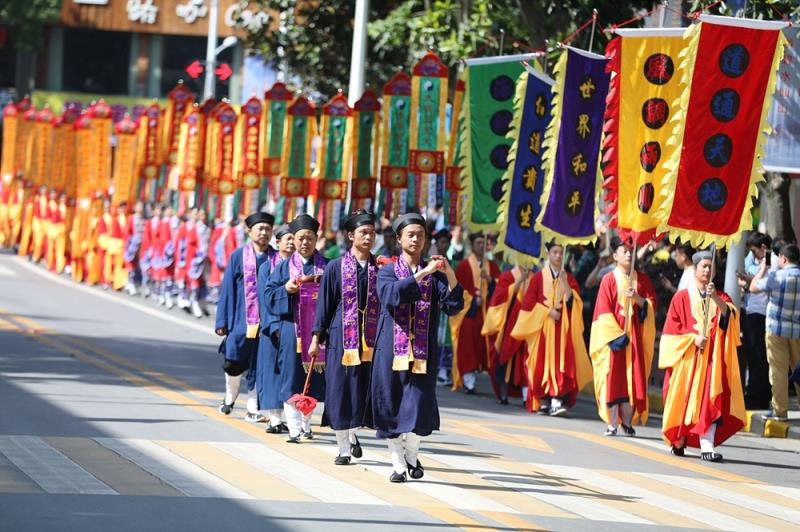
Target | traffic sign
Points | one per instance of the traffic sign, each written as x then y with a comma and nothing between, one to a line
223,71
195,69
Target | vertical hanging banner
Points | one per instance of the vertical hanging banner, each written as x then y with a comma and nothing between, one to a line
190,151
366,137
42,145
58,154
296,158
727,79
249,167
488,110
276,102
226,119
452,173
149,146
68,118
782,152
86,156
333,164
572,148
396,125
124,161
209,109
179,102
8,161
426,134
103,127
643,84
524,180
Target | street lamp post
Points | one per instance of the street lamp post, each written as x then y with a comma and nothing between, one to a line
211,45
359,53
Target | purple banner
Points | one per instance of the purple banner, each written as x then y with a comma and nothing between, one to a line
573,151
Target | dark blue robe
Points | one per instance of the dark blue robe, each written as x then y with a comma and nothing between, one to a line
283,372
403,401
231,312
346,387
259,374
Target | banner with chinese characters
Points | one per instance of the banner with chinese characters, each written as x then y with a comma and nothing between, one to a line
426,134
296,159
190,151
396,122
103,127
8,162
276,102
643,85
727,79
523,181
86,155
179,102
366,136
150,150
572,149
452,173
41,146
226,119
782,152
124,162
488,110
333,163
249,159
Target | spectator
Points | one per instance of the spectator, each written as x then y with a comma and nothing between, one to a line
389,248
782,323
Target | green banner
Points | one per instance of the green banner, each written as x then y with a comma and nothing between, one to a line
366,127
297,148
277,117
398,132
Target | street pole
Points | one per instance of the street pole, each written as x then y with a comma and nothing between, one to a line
359,56
211,46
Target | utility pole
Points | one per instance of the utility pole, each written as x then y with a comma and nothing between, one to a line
211,46
359,56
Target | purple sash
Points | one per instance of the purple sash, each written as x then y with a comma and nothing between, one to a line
305,308
411,331
250,278
352,335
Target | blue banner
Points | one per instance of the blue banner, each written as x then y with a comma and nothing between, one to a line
783,145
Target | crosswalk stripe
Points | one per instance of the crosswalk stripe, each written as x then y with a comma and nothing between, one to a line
50,469
304,478
435,487
681,507
179,473
7,272
737,499
236,472
13,480
784,491
552,495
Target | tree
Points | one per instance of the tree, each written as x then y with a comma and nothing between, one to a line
26,19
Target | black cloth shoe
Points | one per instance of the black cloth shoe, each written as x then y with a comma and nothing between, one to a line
711,457
342,460
677,451
503,401
469,391
293,439
628,430
397,477
355,449
307,435
225,408
275,429
416,472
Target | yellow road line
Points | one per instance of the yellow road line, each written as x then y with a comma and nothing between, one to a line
478,429
454,518
514,522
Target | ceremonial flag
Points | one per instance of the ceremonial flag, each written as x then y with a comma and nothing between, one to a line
783,144
103,127
572,149
8,162
488,111
644,83
727,76
248,152
179,101
396,125
41,146
426,134
452,179
296,158
366,133
124,161
333,163
190,151
276,102
524,179
226,119
149,150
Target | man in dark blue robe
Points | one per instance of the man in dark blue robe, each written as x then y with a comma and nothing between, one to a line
238,312
346,322
282,300
403,388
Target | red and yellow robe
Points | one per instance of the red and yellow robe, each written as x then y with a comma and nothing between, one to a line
16,204
26,223
558,365
470,349
7,192
111,243
700,387
57,237
40,226
622,376
501,316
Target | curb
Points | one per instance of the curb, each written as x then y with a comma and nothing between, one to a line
769,428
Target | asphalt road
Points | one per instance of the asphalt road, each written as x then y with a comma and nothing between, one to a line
109,422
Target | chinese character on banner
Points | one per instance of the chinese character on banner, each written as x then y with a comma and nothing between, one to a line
782,153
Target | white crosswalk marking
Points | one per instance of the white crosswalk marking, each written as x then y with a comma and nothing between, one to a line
785,491
697,513
731,497
178,472
7,272
50,469
307,479
556,496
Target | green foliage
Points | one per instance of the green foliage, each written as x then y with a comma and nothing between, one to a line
758,9
26,19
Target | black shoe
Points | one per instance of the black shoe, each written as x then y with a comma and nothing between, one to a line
416,472
355,449
503,401
293,439
544,410
469,391
628,430
225,408
711,457
307,435
275,429
342,460
397,477
677,451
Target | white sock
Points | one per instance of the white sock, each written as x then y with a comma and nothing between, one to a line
412,447
274,416
469,380
627,413
613,416
397,451
555,403
294,419
306,424
524,394
252,402
707,439
343,439
352,436
232,388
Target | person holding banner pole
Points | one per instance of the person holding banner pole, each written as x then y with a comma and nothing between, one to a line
622,342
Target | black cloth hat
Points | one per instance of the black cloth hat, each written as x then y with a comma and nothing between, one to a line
474,236
304,221
258,218
404,220
443,233
357,219
282,230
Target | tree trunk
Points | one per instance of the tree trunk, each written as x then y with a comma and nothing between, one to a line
776,208
25,73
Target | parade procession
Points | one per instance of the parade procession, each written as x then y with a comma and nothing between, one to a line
503,287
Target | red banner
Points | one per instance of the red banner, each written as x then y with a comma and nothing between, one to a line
226,117
250,173
394,177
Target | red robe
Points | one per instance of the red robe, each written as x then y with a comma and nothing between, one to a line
149,241
164,251
134,236
197,234
181,265
700,387
216,264
622,376
470,349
